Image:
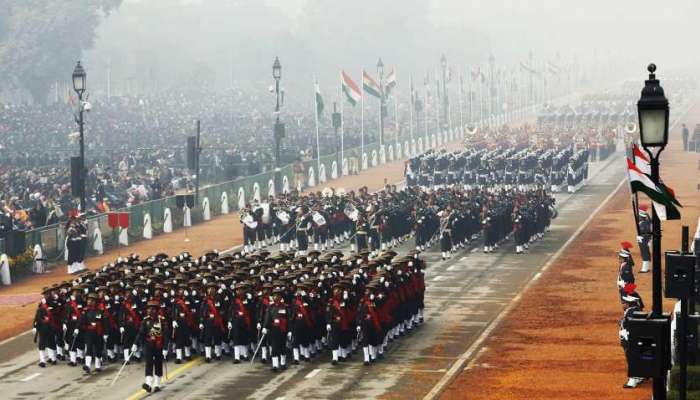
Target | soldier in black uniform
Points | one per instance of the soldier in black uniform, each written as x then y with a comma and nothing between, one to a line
276,325
631,302
303,225
151,336
645,236
46,324
93,325
625,272
240,323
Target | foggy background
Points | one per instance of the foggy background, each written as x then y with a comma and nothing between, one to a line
226,40
213,45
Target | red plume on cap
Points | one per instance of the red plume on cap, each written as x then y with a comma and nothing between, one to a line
629,288
626,245
643,207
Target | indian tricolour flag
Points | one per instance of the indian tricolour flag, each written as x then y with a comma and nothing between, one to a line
350,88
370,85
319,101
390,82
662,196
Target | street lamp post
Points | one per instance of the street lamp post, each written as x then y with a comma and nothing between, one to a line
445,100
380,73
278,130
653,111
79,85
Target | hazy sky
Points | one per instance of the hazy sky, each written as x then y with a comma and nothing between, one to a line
653,29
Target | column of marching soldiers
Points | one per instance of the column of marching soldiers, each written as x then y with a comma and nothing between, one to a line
309,296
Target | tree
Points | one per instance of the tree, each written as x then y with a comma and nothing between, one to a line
40,40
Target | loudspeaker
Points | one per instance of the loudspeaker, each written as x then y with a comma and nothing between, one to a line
680,275
14,243
191,152
75,176
180,201
649,352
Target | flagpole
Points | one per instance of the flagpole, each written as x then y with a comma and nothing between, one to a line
481,99
426,84
438,98
471,98
461,118
396,116
318,143
410,109
362,123
342,129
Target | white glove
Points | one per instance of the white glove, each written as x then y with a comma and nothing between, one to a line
65,328
640,239
174,324
264,331
33,331
359,329
104,337
75,331
328,327
121,329
289,335
201,327
230,326
134,348
259,326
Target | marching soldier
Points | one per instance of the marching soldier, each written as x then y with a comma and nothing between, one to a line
183,323
93,325
45,327
151,336
71,325
129,322
241,322
211,323
301,326
304,223
338,323
369,326
361,233
276,324
446,222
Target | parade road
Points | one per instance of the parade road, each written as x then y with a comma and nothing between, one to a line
465,297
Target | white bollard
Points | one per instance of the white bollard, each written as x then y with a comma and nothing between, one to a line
5,270
147,226
123,237
167,221
224,203
206,212
39,266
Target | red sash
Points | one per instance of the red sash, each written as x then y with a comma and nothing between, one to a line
280,320
304,312
101,306
218,321
48,317
75,311
244,313
373,315
342,313
133,316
